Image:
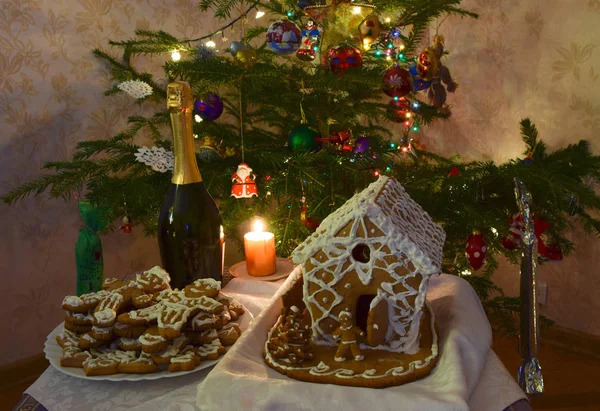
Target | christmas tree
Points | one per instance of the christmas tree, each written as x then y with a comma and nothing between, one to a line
305,97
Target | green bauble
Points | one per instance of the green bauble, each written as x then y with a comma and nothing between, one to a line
302,137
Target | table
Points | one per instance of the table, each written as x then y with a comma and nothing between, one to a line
57,391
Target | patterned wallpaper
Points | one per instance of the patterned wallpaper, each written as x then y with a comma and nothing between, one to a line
522,58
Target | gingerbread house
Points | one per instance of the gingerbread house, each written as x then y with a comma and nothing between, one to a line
373,257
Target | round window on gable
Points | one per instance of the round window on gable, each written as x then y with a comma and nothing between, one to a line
361,253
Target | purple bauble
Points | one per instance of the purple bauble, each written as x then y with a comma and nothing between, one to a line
210,108
361,145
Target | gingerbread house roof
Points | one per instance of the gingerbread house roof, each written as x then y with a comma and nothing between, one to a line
407,227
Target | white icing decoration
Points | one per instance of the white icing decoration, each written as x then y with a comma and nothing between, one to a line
323,369
72,300
151,339
294,308
406,232
375,326
183,358
159,272
106,315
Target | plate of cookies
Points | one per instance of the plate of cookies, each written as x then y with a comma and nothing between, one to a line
141,329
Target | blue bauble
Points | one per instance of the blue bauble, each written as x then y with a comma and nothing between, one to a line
210,108
284,37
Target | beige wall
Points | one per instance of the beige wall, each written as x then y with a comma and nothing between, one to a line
535,58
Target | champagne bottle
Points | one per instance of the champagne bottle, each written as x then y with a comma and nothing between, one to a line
190,231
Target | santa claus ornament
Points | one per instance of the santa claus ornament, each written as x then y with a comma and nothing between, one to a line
244,182
476,250
310,42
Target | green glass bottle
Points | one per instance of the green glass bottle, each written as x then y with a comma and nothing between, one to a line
88,249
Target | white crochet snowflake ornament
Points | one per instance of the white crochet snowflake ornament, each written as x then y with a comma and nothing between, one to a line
158,159
135,88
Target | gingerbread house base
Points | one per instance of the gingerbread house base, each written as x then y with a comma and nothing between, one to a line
379,369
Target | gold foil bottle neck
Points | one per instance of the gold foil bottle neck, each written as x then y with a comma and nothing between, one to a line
180,105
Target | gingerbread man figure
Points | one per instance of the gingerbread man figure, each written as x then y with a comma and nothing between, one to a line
348,333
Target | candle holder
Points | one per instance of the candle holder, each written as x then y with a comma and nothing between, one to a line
284,268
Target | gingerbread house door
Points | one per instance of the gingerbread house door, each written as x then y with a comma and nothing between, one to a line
377,324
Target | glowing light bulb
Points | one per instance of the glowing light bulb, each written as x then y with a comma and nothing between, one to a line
195,135
357,10
408,115
376,173
387,20
405,149
198,118
211,44
289,13
396,98
407,123
465,272
392,145
315,48
388,168
388,57
494,231
366,44
415,128
416,104
259,14
175,55
402,47
378,53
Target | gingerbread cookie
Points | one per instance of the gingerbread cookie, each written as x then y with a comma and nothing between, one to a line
182,362
102,333
78,318
229,334
87,341
205,287
104,318
67,339
100,366
84,303
152,342
110,284
130,344
141,365
128,330
154,280
74,357
79,329
202,337
203,321
172,350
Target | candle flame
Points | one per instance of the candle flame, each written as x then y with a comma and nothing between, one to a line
258,226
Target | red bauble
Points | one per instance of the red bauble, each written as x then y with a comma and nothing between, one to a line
343,57
476,251
397,82
397,109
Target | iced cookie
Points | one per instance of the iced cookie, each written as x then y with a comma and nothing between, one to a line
141,365
128,330
202,337
78,318
152,342
100,366
74,357
205,287
182,362
153,280
102,333
203,321
210,351
79,329
228,335
110,284
68,339
130,344
86,341
172,350
84,303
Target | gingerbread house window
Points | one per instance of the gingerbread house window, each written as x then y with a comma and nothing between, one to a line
372,256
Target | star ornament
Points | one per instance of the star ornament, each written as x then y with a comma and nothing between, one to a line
340,20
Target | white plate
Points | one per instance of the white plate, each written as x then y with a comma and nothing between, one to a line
284,268
53,353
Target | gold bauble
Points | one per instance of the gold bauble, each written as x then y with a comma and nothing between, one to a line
246,57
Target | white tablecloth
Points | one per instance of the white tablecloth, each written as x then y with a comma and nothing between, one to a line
56,391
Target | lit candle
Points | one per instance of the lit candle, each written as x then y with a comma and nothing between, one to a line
260,251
